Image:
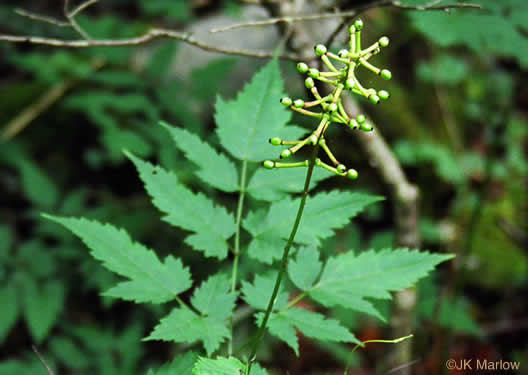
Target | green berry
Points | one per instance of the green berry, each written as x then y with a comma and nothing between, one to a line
285,154
286,101
332,107
383,95
353,124
360,119
299,103
386,74
352,174
367,127
383,41
349,84
313,139
268,164
309,83
314,73
374,99
343,53
352,29
302,67
275,141
358,24
341,168
320,50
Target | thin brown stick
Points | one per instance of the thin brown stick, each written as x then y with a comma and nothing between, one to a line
82,7
42,104
348,14
142,39
71,18
41,18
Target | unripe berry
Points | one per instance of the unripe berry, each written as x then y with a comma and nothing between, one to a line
352,29
309,83
374,99
302,67
313,139
285,154
352,174
367,127
386,74
286,101
360,119
314,73
358,24
341,168
383,41
343,53
383,95
268,164
320,50
299,103
332,107
353,124
275,141
349,84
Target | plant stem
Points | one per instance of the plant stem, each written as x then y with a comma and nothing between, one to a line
238,221
284,261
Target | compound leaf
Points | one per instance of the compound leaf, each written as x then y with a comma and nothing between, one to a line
276,184
348,279
216,169
183,325
323,213
255,115
305,268
213,297
194,212
311,324
182,364
259,293
150,280
218,366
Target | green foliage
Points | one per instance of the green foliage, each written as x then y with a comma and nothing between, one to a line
282,324
182,364
400,269
150,280
245,122
326,212
444,69
212,225
451,313
215,169
497,29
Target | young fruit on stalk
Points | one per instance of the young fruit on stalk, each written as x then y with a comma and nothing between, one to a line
341,76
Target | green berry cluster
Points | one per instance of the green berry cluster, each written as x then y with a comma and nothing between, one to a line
343,78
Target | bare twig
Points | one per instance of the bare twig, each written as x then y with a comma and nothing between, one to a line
142,39
71,18
50,371
348,14
82,7
41,18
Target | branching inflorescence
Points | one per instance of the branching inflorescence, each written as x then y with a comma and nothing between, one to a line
333,111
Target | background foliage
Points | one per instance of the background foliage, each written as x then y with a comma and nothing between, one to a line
456,120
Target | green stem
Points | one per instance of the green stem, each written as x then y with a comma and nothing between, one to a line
238,222
284,261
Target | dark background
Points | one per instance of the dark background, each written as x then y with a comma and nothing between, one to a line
456,121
